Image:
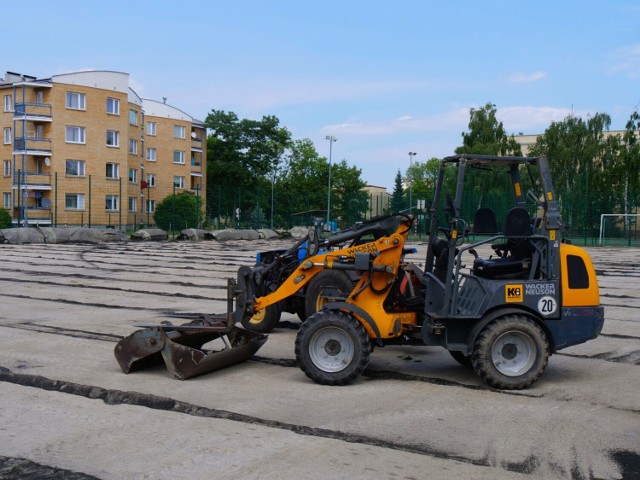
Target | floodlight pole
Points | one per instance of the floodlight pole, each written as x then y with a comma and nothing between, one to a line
331,139
411,155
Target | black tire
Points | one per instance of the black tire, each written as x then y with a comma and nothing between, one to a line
462,359
511,352
337,283
332,348
265,320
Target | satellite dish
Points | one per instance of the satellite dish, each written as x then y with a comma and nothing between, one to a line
47,161
193,134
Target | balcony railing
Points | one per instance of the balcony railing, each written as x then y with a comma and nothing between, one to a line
33,110
25,144
32,180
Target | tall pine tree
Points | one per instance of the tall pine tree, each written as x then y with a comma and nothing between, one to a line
397,198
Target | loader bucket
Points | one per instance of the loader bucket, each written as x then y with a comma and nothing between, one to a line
181,348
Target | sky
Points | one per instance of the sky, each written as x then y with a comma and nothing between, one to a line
384,77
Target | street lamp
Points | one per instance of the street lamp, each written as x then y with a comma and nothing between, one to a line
411,155
331,139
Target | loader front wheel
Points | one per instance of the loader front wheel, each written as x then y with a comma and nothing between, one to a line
265,320
332,348
511,352
327,286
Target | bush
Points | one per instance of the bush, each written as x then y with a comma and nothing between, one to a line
177,212
5,218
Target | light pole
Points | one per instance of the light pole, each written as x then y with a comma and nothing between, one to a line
411,155
331,139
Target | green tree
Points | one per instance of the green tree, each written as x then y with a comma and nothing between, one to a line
582,161
349,199
179,211
241,153
422,177
257,219
5,218
486,135
397,197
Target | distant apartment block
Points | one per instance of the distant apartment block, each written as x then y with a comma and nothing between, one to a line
84,149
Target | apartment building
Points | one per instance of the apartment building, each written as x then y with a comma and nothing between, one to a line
84,149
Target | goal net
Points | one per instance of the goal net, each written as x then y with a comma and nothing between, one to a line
619,229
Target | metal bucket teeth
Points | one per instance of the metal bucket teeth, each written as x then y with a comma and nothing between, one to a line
181,348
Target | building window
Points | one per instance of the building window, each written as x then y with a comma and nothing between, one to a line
151,128
7,103
178,182
7,200
76,101
133,146
133,204
6,168
111,203
113,106
39,97
133,175
179,131
7,135
74,134
151,180
113,170
74,168
178,156
151,206
74,201
133,117
113,138
151,154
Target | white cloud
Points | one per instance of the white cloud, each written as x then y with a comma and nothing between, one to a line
520,77
626,61
533,119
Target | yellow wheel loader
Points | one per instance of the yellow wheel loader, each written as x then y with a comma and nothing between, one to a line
503,314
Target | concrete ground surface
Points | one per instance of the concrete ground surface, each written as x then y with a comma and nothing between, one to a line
67,410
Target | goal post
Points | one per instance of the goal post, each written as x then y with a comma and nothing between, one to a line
611,224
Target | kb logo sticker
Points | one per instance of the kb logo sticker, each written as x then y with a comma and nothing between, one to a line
547,305
513,293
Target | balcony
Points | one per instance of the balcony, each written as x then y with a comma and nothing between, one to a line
33,112
32,146
32,181
196,144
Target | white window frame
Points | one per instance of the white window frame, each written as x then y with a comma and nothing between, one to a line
133,146
133,117
133,204
115,104
73,98
6,168
115,171
133,175
179,131
7,135
79,168
79,201
115,139
151,206
74,134
6,201
112,203
151,154
178,182
151,180
8,103
152,128
180,155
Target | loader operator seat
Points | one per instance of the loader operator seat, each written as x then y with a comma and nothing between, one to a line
484,222
514,255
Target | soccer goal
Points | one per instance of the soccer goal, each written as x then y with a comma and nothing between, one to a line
619,229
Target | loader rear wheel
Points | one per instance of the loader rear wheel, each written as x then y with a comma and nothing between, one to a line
332,348
327,282
265,320
511,352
